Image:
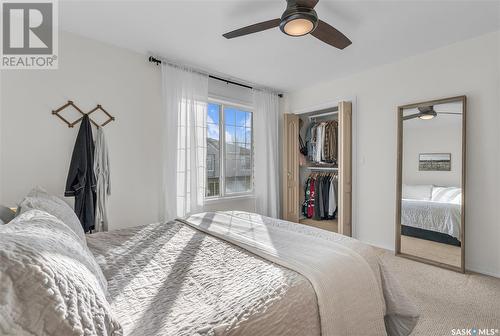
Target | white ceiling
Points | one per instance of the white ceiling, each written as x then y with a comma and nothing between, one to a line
189,32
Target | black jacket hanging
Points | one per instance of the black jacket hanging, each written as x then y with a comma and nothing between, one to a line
81,181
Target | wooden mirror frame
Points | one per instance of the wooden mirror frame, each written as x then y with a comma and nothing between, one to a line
399,184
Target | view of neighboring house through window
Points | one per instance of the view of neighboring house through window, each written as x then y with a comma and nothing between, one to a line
211,162
229,167
213,150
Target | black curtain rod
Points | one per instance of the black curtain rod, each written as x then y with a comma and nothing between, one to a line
227,81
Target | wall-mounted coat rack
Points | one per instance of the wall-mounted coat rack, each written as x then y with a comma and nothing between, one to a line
72,124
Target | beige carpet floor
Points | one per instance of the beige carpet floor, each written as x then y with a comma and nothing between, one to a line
448,300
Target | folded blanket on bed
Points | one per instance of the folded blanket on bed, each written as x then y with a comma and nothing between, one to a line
348,289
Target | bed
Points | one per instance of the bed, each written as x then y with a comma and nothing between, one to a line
196,277
214,273
436,218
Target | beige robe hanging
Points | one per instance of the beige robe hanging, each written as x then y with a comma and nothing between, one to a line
102,174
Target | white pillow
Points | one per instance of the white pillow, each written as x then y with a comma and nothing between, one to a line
49,283
39,199
417,192
447,194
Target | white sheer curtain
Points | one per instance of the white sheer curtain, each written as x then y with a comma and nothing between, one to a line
266,153
185,97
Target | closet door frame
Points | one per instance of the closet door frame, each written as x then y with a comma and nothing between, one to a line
345,168
291,160
290,172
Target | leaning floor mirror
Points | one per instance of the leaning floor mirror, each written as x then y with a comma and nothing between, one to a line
430,182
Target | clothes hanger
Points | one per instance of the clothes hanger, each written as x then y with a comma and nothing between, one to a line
70,103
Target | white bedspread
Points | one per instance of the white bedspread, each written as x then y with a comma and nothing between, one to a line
173,279
443,217
348,290
169,279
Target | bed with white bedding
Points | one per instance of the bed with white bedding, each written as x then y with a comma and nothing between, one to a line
215,274
433,216
223,273
440,213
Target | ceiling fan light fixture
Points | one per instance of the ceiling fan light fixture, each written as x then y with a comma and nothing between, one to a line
427,115
298,19
298,27
299,23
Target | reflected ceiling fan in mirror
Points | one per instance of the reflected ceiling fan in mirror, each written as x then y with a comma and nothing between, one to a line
426,113
298,19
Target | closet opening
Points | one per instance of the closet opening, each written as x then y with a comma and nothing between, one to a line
318,169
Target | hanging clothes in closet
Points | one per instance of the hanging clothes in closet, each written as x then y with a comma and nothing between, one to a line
320,196
321,142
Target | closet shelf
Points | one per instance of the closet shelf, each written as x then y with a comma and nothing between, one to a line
320,168
323,115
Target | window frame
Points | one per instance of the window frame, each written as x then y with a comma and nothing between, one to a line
222,151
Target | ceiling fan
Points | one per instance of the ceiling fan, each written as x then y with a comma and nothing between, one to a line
298,19
426,113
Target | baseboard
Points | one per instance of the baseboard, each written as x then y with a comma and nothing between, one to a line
483,272
478,270
388,248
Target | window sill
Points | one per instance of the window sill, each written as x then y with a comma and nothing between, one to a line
214,200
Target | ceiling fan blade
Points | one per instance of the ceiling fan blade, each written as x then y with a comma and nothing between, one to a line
330,35
253,28
306,3
412,116
448,113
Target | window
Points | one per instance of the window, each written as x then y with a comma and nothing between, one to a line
230,166
213,150
210,163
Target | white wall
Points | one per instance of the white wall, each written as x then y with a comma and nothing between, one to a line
221,90
36,146
470,67
442,134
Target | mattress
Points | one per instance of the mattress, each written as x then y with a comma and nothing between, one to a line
442,217
172,279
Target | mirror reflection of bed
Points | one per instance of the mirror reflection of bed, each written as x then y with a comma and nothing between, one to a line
430,226
431,154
